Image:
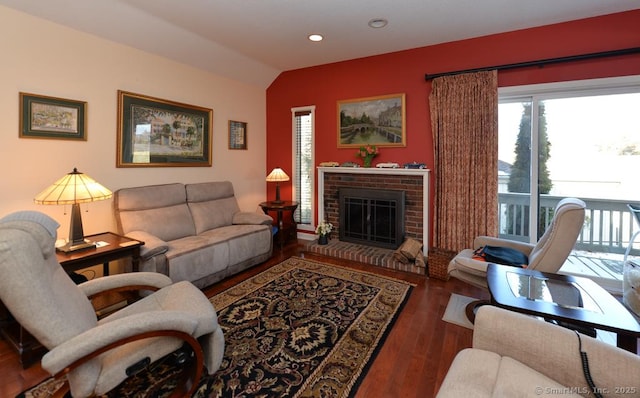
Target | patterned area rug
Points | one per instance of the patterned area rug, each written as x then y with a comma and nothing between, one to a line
299,329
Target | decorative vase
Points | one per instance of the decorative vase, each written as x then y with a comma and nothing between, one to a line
367,161
323,239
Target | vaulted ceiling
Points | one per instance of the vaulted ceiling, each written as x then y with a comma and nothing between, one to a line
255,40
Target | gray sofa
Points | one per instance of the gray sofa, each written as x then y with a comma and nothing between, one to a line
193,232
515,355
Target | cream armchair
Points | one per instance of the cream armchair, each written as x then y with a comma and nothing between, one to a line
97,355
515,355
547,255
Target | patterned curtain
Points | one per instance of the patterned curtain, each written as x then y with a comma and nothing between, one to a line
464,122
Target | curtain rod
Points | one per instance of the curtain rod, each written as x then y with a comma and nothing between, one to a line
540,63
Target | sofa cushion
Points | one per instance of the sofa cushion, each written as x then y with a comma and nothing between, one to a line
245,241
213,213
149,197
212,204
472,374
160,210
245,217
176,222
195,257
204,191
480,373
464,261
518,380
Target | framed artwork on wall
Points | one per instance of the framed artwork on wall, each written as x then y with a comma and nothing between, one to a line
154,132
51,117
376,121
237,135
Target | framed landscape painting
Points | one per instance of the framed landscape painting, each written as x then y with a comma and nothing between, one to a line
51,117
376,121
153,132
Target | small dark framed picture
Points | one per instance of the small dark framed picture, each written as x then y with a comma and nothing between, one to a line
237,135
51,117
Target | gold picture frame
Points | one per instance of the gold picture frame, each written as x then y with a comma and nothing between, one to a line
379,121
51,117
154,132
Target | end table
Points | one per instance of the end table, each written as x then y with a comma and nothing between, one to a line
283,233
110,247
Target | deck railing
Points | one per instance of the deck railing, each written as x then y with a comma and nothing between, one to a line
608,224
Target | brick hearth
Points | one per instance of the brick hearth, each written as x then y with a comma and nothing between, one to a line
365,254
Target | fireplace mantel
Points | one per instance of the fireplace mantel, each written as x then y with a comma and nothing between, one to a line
424,173
374,170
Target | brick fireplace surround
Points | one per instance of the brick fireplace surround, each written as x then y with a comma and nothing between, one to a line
415,183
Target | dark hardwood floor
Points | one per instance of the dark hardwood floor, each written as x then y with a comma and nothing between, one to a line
412,362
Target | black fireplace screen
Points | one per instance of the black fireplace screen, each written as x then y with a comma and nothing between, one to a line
372,216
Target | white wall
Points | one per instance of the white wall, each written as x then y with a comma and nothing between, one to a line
44,58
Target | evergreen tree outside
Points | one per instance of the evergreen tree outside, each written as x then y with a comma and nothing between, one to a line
520,177
519,180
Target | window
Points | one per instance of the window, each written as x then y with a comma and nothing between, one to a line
577,139
303,170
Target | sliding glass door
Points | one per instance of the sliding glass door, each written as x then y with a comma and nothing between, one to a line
517,168
569,140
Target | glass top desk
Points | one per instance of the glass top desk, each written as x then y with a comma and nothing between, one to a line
564,298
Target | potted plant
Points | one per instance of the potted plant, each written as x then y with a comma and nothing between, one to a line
323,230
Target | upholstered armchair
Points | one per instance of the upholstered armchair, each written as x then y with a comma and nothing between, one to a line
547,255
97,355
515,355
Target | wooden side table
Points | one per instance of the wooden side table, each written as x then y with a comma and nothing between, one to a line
117,247
284,234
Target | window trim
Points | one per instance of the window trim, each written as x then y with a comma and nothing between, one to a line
312,109
577,88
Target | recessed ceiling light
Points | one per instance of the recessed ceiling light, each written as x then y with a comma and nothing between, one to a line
378,23
315,37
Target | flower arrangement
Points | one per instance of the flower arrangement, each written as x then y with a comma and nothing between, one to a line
324,228
367,153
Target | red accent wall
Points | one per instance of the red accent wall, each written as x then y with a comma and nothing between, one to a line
403,72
